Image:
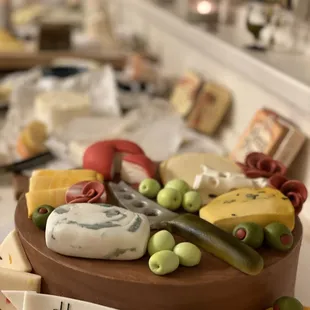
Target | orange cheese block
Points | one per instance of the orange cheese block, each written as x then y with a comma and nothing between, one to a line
53,197
61,180
67,173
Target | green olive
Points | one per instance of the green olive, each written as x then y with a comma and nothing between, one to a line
287,303
278,236
251,234
40,216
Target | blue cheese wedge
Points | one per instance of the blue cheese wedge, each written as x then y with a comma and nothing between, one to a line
261,206
97,231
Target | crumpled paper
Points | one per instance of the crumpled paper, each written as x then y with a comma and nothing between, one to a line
151,122
154,126
99,84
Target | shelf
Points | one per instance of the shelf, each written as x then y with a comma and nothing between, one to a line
285,75
26,60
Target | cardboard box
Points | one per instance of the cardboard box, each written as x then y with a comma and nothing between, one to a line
185,93
210,108
270,134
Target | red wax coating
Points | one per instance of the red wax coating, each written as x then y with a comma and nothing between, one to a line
43,210
286,239
241,233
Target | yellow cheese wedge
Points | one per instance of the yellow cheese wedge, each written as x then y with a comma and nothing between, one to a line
68,173
62,179
53,197
262,206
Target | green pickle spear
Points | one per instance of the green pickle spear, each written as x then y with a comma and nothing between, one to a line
217,242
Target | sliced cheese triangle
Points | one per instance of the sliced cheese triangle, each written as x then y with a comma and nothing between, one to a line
12,254
6,304
18,280
14,298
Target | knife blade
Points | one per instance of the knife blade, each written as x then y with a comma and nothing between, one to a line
30,163
191,227
131,200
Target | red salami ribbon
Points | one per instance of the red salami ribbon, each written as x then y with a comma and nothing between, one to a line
86,191
259,165
295,190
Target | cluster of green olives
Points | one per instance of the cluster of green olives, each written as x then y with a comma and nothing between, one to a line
276,235
40,216
166,255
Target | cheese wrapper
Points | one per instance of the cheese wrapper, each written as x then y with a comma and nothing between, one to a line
68,173
53,197
38,183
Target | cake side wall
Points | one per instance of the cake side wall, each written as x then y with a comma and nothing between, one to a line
177,56
241,293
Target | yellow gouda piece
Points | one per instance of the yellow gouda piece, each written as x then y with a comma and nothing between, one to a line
262,206
59,181
68,173
53,197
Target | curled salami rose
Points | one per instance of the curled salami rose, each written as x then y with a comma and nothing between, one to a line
259,165
295,190
86,191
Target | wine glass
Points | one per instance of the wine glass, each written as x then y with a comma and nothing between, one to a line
258,17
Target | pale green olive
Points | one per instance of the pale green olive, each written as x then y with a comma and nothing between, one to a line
163,262
162,240
169,198
179,185
191,202
149,188
188,253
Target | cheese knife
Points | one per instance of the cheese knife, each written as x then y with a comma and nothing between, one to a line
191,227
26,164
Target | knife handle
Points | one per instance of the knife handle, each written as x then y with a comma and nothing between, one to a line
217,242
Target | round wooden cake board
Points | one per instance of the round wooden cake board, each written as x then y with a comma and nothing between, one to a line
130,285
